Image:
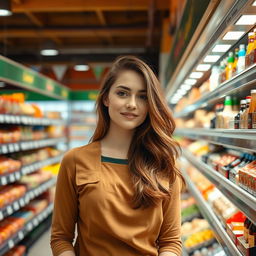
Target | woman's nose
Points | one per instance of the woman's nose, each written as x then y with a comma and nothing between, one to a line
131,104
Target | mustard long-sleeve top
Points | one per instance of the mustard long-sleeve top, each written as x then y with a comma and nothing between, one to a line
95,193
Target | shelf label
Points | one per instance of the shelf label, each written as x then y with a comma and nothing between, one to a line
4,180
4,149
20,235
16,147
11,148
9,210
35,222
16,206
10,244
30,226
12,178
17,175
1,118
1,215
22,203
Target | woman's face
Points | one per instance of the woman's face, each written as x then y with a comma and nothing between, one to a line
127,101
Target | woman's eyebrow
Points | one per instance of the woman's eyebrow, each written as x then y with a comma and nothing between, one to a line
128,89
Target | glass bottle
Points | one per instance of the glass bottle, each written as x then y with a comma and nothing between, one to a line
237,117
252,111
249,49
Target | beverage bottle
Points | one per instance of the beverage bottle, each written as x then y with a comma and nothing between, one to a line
219,120
237,117
252,111
252,236
227,114
235,62
214,78
230,66
254,47
222,72
241,59
247,224
249,49
244,115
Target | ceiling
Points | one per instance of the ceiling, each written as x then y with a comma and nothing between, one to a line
91,30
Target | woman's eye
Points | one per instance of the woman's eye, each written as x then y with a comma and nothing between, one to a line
143,97
121,93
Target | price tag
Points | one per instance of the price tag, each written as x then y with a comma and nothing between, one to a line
40,217
44,214
1,118
13,119
35,222
17,119
16,206
10,244
12,178
7,118
31,194
27,199
22,203
16,147
17,175
3,180
20,235
9,210
11,148
4,149
30,226
1,215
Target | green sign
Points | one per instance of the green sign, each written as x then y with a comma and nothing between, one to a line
18,75
193,13
84,95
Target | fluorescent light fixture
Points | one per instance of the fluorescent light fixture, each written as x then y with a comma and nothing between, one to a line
254,4
233,35
49,52
185,87
221,47
211,58
203,67
190,81
196,74
246,20
5,8
81,67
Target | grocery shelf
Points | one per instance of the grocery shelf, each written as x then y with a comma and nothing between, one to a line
238,196
220,233
27,120
231,138
29,226
22,201
236,84
27,145
14,176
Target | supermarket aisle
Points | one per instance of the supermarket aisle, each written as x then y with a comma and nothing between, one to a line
42,246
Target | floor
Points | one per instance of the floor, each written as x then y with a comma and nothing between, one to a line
42,246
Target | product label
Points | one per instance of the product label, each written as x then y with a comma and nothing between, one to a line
254,120
251,240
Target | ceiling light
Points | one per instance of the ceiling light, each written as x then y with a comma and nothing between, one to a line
190,81
185,87
81,67
221,47
254,4
5,8
196,74
246,20
49,49
181,92
203,67
233,35
211,58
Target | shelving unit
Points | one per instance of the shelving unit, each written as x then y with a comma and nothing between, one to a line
220,233
231,138
18,77
16,238
238,196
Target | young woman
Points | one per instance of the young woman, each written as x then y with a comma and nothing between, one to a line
122,190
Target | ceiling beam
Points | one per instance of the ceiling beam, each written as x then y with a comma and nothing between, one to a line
88,5
34,19
66,33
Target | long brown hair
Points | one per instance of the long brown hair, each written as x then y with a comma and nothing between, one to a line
153,151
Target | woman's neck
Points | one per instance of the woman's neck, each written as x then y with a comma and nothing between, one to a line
116,143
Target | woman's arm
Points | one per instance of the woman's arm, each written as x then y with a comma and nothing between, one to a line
169,240
65,209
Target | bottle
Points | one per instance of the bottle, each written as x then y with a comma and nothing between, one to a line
214,78
252,236
249,49
227,114
237,117
241,59
252,111
247,224
244,115
222,72
254,47
219,111
235,62
230,66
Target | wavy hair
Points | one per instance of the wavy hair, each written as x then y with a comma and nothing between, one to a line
153,151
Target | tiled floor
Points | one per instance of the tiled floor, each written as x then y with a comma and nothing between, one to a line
42,246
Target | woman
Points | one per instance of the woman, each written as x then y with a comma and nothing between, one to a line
122,190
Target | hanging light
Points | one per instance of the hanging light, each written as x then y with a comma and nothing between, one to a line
5,8
49,49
